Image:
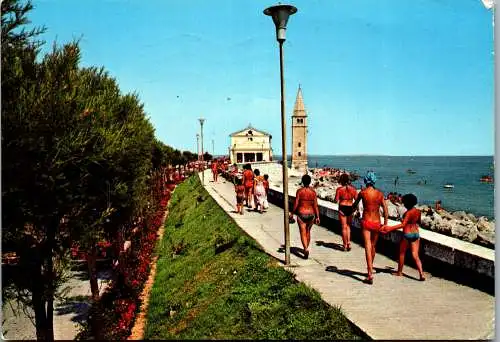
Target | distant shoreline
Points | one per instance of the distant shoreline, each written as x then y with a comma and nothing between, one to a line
390,155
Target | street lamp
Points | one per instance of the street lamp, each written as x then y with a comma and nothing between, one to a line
202,156
198,145
280,14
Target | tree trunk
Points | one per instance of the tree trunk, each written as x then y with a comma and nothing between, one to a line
50,276
91,262
95,319
39,303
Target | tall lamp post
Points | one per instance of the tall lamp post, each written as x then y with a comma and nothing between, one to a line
198,145
280,14
202,156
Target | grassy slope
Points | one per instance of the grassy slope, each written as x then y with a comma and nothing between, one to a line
214,282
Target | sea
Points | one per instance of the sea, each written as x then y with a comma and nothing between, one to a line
430,174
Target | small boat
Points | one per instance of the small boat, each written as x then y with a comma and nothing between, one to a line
448,186
486,179
410,171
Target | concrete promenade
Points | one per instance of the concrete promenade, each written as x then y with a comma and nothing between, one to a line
391,308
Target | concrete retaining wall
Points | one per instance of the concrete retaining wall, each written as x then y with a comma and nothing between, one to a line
435,248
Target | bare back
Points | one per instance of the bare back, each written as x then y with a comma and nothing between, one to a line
345,195
305,201
372,200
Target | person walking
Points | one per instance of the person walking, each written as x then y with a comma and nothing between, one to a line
373,200
259,191
307,212
248,183
345,196
215,169
411,236
239,188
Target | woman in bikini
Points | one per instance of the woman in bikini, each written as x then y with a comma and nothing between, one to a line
411,236
373,200
344,196
248,183
307,211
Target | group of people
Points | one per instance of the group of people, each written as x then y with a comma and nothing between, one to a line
307,212
332,173
395,198
218,166
251,190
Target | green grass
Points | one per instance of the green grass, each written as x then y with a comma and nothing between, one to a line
214,282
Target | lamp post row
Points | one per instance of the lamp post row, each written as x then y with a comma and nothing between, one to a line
279,14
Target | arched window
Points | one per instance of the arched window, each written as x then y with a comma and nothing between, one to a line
300,144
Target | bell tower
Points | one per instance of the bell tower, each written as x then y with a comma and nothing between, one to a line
299,134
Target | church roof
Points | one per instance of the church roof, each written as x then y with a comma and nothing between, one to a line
250,127
299,109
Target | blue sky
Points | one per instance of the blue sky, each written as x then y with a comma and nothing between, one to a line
378,77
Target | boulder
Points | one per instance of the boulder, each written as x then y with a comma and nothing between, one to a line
465,230
330,197
427,222
321,192
483,225
460,215
472,217
486,238
442,226
445,215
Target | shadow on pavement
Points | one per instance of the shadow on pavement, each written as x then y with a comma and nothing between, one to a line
78,305
387,269
298,252
106,274
348,273
331,245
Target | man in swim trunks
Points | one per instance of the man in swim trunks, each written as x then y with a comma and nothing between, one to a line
345,195
372,199
307,211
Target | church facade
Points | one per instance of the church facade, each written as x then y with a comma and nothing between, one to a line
250,145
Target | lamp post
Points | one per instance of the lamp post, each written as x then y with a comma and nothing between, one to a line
213,148
202,156
280,14
198,145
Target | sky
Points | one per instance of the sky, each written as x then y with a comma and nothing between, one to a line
380,77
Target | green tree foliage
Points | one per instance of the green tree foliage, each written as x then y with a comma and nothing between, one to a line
76,158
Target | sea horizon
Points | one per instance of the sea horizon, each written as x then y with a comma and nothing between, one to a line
390,155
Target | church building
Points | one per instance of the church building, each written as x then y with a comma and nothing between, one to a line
250,145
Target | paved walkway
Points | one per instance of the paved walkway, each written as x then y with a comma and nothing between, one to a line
391,308
68,313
